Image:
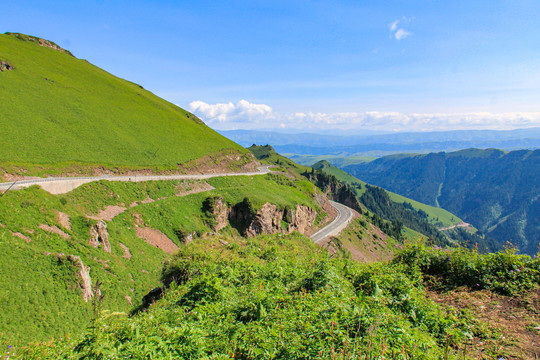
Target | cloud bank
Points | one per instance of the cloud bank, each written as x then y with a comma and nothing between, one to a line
246,115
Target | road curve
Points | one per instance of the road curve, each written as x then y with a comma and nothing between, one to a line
62,185
344,217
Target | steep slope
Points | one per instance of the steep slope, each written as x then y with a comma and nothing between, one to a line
63,114
437,216
55,247
495,191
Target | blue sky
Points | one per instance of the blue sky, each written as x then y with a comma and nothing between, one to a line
313,65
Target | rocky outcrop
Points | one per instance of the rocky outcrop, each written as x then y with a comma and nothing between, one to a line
5,66
266,221
269,219
84,274
302,219
217,212
150,298
100,236
39,41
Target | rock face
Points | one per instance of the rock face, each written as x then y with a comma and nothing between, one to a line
5,66
217,209
269,219
84,273
100,236
302,219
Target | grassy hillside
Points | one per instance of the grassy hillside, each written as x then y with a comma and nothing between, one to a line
281,297
40,285
62,113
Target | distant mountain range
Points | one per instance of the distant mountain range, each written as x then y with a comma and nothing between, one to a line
385,144
496,191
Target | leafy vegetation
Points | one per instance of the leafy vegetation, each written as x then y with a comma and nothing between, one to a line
63,114
280,297
37,282
503,272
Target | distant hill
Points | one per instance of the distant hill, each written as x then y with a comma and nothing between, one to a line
496,191
435,223
63,114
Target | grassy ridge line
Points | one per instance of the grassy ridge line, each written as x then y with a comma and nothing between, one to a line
56,108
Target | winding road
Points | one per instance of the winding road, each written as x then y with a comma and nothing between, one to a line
62,185
345,215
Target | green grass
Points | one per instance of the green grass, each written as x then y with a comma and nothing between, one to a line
435,215
37,285
280,297
59,112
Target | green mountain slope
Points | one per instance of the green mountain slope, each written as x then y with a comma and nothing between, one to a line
41,234
435,215
435,223
498,192
58,111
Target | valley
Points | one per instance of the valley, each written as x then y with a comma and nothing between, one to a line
131,229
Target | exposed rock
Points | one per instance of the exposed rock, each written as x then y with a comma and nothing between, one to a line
224,161
39,41
267,221
109,213
215,208
192,187
5,66
84,273
54,230
128,299
100,236
150,298
127,253
64,220
302,219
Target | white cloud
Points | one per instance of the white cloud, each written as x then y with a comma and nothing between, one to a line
402,34
242,111
246,115
399,33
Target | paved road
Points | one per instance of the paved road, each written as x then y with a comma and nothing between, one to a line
345,215
62,185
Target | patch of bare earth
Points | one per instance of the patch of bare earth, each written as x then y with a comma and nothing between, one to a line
193,188
109,213
156,238
127,253
63,220
54,230
21,236
225,161
518,319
